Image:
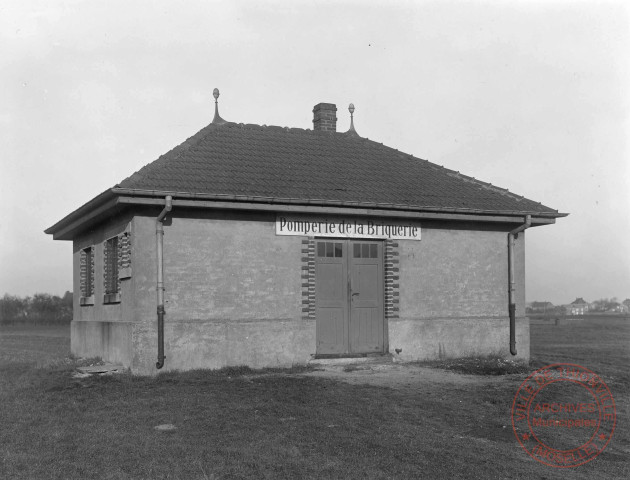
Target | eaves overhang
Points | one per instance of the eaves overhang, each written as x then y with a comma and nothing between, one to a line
100,206
115,199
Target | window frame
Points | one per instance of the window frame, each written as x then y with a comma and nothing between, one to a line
111,269
87,276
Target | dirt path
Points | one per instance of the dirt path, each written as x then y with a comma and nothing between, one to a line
397,375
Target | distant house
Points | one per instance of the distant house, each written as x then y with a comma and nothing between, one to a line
578,307
267,246
618,308
540,307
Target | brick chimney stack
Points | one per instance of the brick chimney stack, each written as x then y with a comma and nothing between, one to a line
325,117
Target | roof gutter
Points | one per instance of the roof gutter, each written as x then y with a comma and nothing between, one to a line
512,284
99,204
332,203
330,210
102,205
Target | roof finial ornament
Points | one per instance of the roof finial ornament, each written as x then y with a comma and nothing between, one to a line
352,131
217,120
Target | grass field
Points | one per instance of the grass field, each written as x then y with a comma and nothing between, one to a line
242,424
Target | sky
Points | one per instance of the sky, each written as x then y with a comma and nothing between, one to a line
531,96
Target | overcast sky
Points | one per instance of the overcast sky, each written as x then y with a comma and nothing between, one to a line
530,96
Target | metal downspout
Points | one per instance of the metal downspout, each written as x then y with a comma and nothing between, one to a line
512,288
159,236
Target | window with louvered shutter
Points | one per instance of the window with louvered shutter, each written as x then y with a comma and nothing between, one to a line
110,263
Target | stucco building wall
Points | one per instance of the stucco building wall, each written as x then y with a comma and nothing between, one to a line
454,294
102,330
234,294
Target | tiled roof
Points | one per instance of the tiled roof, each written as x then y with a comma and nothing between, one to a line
541,304
274,164
578,301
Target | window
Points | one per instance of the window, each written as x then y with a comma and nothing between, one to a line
365,250
124,254
111,263
87,276
329,249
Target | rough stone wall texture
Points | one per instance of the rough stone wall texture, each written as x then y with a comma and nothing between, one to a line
454,295
439,338
91,332
453,273
217,344
233,292
109,340
233,269
99,311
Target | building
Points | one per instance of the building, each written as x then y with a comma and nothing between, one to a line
538,308
270,246
577,307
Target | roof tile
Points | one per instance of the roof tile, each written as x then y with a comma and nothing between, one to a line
292,163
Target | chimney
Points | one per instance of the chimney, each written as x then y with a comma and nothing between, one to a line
324,117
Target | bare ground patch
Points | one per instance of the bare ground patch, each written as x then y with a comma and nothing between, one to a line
397,375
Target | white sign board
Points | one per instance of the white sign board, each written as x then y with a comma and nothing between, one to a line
341,227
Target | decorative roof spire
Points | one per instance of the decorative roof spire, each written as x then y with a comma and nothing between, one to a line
217,120
352,131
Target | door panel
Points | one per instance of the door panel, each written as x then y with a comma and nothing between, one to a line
365,285
366,331
330,331
331,294
330,288
349,297
366,308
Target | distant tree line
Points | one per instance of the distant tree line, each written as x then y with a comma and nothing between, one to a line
608,305
547,309
41,308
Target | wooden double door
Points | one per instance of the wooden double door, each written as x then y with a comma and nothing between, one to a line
349,297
